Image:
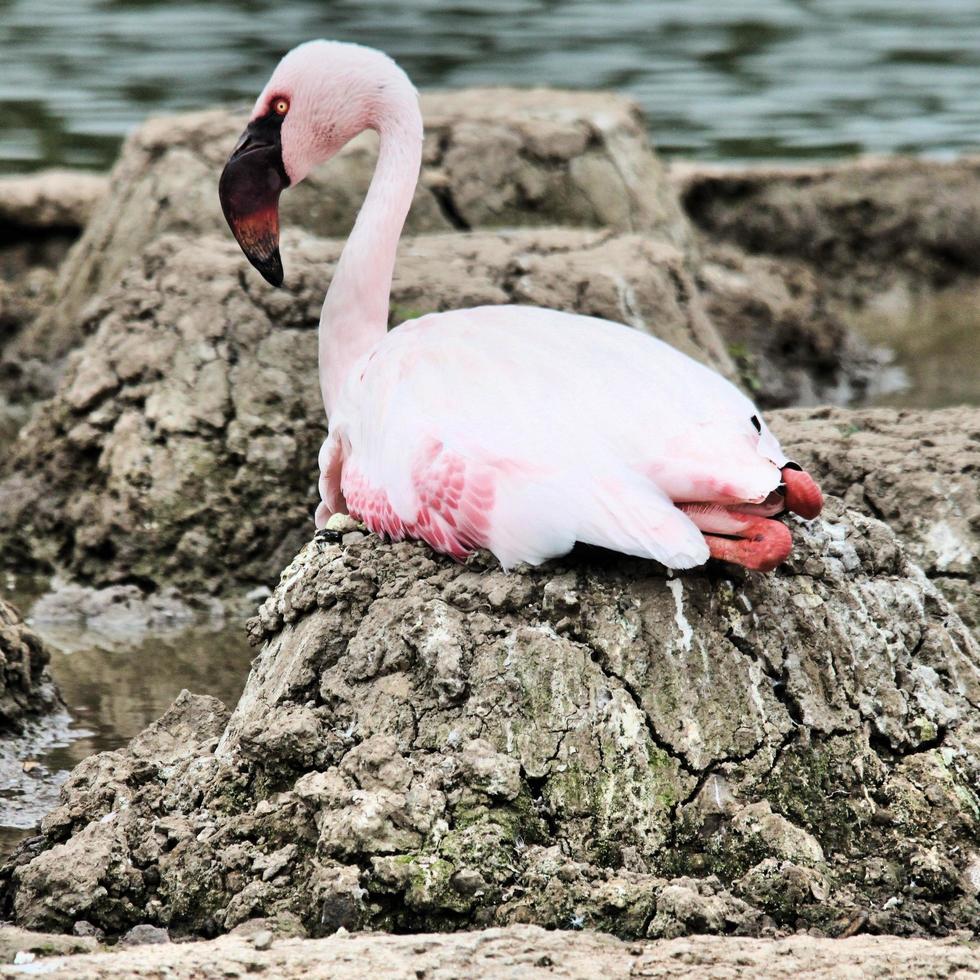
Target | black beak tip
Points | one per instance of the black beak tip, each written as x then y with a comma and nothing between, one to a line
271,269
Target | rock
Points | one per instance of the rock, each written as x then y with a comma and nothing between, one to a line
867,226
497,157
41,215
14,941
80,880
33,720
119,615
917,470
83,928
423,745
790,343
50,199
182,444
525,951
26,688
145,935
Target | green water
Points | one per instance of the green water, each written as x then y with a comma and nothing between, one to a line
759,79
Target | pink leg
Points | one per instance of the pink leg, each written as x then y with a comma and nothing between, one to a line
758,543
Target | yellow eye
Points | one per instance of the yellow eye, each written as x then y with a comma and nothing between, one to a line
280,107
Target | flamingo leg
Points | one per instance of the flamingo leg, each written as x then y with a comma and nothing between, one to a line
757,543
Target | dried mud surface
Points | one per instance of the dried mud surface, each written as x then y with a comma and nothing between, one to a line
528,951
424,745
917,470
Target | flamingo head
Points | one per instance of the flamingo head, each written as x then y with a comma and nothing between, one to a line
321,95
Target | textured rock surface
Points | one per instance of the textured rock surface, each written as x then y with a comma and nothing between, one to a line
26,688
528,951
51,199
789,343
868,226
40,216
493,157
181,446
917,470
428,745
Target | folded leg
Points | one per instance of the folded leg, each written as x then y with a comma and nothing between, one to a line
758,543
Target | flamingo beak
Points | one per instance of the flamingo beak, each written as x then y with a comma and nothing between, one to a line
249,190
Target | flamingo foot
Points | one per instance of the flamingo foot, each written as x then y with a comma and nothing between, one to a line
761,545
752,540
803,496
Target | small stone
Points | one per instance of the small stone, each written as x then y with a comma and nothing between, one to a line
340,524
466,881
87,930
145,935
262,939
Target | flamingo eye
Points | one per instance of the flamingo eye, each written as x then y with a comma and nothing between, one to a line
280,107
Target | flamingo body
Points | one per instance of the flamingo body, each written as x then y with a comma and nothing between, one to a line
524,430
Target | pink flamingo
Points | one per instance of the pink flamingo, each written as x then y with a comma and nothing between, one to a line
512,428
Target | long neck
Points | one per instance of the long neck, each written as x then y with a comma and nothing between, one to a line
355,311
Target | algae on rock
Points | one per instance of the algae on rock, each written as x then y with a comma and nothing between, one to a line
430,745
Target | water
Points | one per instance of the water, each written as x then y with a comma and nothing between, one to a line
936,341
114,685
765,79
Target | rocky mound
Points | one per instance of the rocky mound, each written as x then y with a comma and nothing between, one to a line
425,745
917,470
791,345
867,226
40,216
26,688
49,201
493,157
181,447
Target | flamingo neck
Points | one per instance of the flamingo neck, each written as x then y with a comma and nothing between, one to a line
355,312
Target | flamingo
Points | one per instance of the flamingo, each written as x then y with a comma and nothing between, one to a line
512,428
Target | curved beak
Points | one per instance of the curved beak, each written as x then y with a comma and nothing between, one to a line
249,190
